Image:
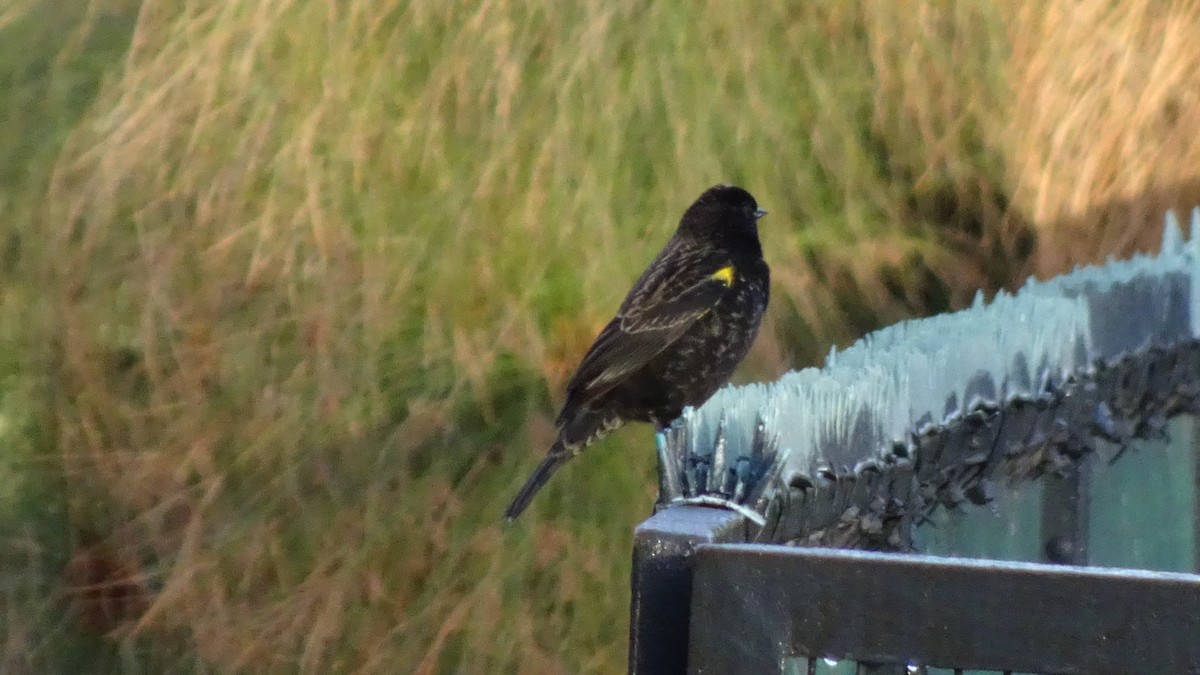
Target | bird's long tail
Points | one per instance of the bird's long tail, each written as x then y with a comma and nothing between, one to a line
555,458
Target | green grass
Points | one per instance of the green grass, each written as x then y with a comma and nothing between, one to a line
299,286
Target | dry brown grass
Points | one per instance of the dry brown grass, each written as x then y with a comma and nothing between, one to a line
317,272
1105,124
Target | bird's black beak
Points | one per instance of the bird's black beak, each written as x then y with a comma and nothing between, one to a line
759,213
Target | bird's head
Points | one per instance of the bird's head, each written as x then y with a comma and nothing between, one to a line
723,211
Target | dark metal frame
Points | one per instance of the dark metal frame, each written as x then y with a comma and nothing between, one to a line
704,603
747,608
662,582
755,606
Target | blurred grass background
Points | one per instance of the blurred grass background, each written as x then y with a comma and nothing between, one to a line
289,290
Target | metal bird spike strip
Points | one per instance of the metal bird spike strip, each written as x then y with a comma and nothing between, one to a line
934,412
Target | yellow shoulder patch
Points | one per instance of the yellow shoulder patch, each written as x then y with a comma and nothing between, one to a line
724,275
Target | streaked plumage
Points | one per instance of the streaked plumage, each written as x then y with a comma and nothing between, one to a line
678,336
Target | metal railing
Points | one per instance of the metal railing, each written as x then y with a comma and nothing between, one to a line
704,606
1016,430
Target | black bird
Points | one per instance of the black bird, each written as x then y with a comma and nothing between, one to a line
685,325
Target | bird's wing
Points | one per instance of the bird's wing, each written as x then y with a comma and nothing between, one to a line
659,309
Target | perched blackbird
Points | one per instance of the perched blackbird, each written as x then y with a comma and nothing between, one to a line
686,324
